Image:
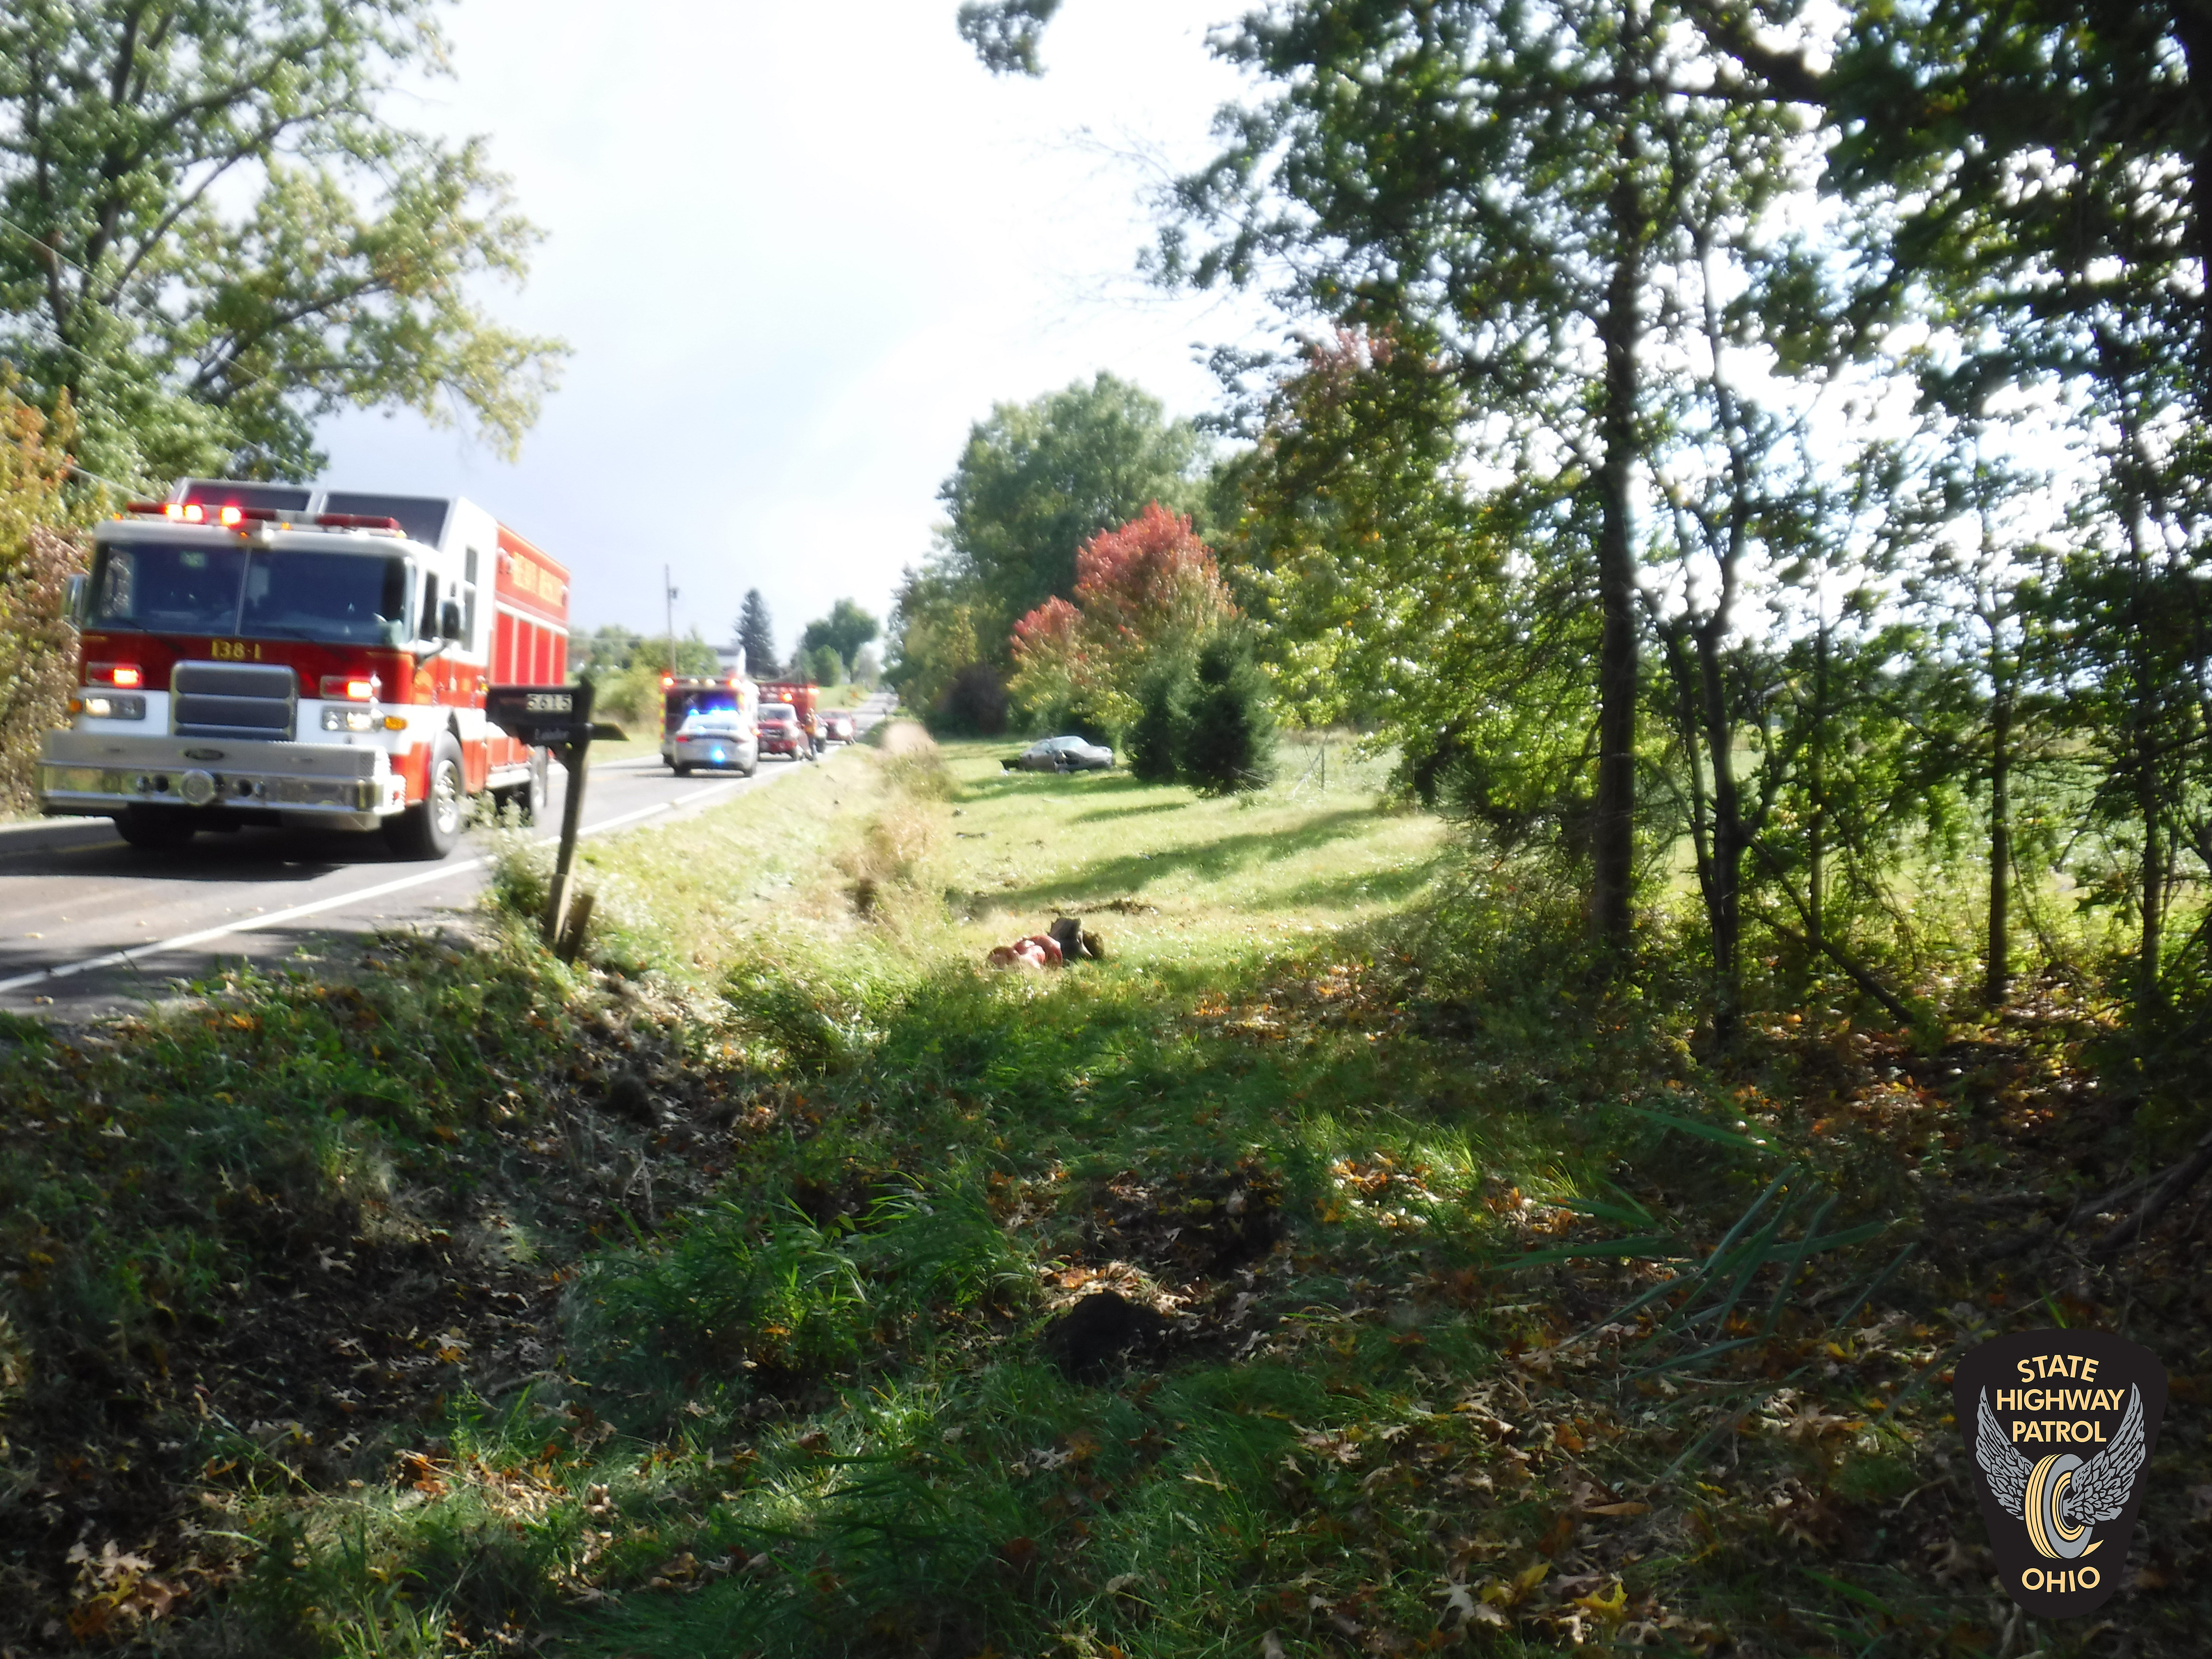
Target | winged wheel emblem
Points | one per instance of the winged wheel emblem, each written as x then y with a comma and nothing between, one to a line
2062,1498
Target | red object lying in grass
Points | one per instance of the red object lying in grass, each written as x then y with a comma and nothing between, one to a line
1067,942
1038,950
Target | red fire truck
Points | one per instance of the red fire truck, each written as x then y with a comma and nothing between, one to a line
258,654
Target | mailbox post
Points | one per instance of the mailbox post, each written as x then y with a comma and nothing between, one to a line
559,718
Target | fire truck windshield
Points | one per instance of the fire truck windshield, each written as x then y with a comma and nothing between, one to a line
337,599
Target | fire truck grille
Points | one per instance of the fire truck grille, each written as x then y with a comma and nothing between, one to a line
235,700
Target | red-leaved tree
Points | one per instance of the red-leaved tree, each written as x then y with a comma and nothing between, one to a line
1144,590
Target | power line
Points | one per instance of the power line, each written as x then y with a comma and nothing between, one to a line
141,489
51,252
243,376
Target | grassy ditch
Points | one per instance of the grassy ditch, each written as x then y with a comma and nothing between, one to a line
747,1290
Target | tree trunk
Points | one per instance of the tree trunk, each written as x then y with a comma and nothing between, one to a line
2147,995
1996,983
1816,849
1614,839
1724,901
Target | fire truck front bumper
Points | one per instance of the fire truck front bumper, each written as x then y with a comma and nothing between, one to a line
96,775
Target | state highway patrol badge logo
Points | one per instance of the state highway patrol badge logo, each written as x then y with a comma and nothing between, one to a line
2061,1424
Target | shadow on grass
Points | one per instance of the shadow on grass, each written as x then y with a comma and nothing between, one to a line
1098,813
993,786
1213,860
1350,891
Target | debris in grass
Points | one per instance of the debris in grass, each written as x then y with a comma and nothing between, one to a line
1100,1331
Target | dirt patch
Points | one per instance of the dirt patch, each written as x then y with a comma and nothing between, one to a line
1102,1331
1197,1223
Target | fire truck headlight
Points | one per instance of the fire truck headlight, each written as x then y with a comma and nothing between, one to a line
348,719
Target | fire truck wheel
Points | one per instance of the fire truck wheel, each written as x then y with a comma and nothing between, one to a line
153,828
429,831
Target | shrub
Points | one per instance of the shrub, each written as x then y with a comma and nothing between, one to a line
1229,733
1163,703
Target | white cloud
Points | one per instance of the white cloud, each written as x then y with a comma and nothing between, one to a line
797,251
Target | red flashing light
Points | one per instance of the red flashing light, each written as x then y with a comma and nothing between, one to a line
123,674
349,687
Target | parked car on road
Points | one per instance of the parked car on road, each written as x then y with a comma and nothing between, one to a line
782,733
716,738
1063,755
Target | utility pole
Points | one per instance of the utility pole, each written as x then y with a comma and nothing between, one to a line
668,586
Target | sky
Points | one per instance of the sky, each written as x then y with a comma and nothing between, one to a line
796,251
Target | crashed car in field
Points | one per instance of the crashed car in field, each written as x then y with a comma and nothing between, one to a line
1062,755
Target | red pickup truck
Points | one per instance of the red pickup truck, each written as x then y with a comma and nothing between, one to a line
786,724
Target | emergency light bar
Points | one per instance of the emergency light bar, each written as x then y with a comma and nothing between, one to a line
194,513
231,517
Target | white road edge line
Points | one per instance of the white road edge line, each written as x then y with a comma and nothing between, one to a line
257,924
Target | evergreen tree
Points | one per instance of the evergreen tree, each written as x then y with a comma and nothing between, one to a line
757,634
1228,735
1156,737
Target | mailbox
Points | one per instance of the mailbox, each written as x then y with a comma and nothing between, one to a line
557,717
550,715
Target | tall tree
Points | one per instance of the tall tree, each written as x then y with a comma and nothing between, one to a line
934,634
1004,32
2036,177
1522,189
844,630
212,237
757,634
1037,480
39,553
1377,579
1144,591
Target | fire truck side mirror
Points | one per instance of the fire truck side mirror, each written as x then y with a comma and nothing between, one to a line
449,620
73,601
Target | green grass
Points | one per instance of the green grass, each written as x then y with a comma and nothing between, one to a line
723,1276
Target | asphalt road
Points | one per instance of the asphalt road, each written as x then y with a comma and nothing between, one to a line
88,925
